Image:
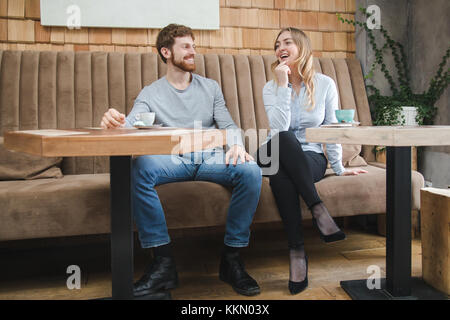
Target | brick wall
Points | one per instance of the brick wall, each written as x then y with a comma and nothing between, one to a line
246,27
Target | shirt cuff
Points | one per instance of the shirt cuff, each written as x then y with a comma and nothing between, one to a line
338,168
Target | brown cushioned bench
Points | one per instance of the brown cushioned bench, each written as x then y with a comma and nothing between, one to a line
44,90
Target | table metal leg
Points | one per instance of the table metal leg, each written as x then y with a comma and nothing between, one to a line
398,221
122,266
121,228
398,283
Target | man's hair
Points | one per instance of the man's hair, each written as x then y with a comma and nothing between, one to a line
166,37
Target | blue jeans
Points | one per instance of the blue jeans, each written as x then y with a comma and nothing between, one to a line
153,170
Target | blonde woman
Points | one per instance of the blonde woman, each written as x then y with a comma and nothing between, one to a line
300,98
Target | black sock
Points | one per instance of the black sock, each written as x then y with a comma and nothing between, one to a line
163,251
324,220
230,250
297,264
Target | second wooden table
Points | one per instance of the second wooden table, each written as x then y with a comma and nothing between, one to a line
398,283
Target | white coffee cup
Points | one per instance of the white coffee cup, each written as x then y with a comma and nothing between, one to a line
148,118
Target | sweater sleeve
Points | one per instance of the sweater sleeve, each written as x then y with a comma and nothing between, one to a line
334,151
223,118
277,102
140,105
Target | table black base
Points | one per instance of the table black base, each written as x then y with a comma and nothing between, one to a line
357,290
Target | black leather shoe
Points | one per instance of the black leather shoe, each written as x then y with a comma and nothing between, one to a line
160,275
297,287
232,272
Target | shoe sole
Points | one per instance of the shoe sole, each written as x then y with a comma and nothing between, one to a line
247,293
328,242
167,286
304,287
322,237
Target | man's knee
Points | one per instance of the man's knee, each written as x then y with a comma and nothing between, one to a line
250,172
141,163
145,167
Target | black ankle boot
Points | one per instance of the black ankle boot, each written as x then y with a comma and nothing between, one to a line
160,275
232,272
297,287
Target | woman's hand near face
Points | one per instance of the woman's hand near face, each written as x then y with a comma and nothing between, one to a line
282,72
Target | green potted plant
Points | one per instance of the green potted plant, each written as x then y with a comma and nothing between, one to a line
389,110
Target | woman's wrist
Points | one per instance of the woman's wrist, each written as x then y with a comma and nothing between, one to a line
283,84
339,171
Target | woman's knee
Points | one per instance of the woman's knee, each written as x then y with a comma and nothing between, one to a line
287,135
287,143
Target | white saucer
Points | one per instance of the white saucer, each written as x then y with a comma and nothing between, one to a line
340,124
154,126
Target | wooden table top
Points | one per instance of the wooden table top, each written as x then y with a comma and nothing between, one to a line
112,142
394,136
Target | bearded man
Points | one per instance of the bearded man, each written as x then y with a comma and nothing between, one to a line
183,99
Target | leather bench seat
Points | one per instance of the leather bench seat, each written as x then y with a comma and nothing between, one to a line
66,89
79,204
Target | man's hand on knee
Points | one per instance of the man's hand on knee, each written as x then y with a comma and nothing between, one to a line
237,151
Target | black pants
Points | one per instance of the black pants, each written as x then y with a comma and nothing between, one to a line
298,171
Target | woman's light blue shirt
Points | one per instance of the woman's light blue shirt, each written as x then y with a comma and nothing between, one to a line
288,111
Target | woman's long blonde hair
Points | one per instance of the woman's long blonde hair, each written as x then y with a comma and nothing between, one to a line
305,62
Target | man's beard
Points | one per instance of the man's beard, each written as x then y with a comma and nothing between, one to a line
183,65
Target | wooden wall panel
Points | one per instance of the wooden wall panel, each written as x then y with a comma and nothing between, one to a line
247,27
3,30
3,8
32,9
16,8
